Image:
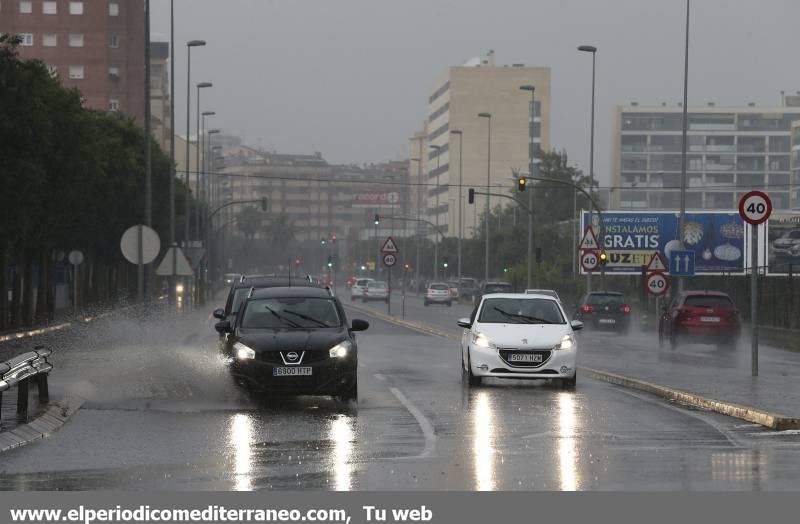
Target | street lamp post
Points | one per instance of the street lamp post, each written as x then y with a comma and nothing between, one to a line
206,157
172,235
593,50
488,117
148,164
187,213
205,275
419,205
682,218
531,170
460,135
438,150
198,140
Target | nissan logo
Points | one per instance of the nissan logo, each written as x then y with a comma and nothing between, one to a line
291,356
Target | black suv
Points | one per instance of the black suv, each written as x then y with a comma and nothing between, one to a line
604,310
242,285
294,340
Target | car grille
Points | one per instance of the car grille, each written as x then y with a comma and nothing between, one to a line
506,353
274,357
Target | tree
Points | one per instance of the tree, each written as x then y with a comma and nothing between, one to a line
249,221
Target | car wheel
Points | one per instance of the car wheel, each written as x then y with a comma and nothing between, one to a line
472,379
350,394
570,383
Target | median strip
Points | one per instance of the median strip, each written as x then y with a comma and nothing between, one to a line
43,426
758,416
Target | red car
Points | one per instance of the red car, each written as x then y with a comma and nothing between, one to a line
706,317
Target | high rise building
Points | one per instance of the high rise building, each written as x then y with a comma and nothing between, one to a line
480,86
159,93
96,46
730,150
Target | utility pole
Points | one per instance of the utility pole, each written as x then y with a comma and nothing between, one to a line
148,165
684,145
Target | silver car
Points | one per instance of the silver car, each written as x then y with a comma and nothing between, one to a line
438,293
376,290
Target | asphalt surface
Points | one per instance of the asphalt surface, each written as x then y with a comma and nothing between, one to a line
162,414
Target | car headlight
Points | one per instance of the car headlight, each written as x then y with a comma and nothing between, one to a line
482,341
341,350
243,352
567,342
179,288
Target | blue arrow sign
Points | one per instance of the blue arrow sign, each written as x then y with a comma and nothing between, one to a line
681,263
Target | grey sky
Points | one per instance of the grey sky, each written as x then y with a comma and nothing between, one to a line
350,78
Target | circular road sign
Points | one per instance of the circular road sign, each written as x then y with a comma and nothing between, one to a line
657,284
590,260
755,207
76,257
389,260
129,244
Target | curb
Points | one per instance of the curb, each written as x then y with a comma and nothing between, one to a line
750,414
55,416
757,416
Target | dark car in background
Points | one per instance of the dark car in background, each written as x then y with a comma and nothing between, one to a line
708,317
294,340
242,285
604,310
493,287
468,288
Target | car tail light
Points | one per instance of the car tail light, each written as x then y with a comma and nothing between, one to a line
587,308
626,309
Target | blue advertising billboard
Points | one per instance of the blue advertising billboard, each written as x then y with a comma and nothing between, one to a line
631,238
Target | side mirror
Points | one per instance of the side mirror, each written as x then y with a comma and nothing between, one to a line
223,327
464,323
577,325
359,325
219,313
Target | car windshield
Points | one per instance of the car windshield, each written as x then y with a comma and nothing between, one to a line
520,311
498,288
602,299
290,313
440,287
708,301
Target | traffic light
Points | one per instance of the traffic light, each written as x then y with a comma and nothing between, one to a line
521,183
297,261
330,261
377,219
445,263
333,238
264,204
603,258
407,266
471,196
322,241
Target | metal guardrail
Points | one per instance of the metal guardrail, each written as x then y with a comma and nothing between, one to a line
20,371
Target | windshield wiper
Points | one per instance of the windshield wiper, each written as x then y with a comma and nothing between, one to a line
306,317
291,323
530,319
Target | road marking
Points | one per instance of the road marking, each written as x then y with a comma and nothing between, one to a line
424,424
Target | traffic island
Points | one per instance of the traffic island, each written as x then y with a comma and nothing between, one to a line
51,420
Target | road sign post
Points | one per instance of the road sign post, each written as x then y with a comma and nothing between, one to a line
681,263
76,259
657,284
389,251
755,208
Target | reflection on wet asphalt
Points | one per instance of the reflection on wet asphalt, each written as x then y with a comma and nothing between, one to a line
162,413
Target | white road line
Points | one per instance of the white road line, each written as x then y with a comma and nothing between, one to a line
380,377
424,424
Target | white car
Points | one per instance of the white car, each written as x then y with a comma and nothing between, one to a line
359,288
520,337
376,290
438,293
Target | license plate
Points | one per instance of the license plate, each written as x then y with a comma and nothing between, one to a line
709,319
607,321
291,371
525,357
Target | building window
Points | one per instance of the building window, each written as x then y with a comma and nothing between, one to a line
113,41
113,72
76,40
76,72
26,39
113,104
113,9
50,8
26,7
76,8
50,40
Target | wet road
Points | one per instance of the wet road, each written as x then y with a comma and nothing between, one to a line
161,413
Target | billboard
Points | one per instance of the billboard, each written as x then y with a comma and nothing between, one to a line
631,238
783,244
376,199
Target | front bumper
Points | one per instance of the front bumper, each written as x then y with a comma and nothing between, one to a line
487,362
328,377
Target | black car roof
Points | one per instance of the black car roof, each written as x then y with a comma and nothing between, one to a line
614,293
291,292
277,281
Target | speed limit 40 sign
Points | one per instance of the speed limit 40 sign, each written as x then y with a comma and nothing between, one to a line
590,260
657,284
755,207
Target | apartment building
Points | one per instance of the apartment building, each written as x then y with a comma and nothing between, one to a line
458,139
730,150
96,46
159,93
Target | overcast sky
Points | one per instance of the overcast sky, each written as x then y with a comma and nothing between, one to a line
350,78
